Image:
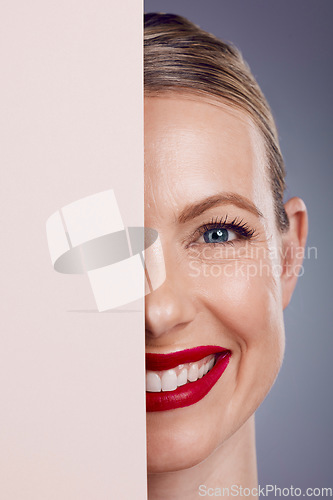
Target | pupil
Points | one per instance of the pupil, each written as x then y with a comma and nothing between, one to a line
216,235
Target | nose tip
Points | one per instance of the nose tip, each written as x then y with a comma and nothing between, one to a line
166,308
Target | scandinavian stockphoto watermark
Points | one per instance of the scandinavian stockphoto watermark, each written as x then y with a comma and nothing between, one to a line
269,490
249,262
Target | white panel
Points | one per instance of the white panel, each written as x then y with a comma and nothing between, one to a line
71,125
118,283
56,236
93,216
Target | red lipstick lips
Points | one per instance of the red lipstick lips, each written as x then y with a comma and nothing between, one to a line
191,392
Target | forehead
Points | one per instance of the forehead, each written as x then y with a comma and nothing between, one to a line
195,148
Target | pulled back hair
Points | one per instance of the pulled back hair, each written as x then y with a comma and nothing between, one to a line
179,56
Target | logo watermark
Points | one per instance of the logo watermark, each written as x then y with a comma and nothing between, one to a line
268,490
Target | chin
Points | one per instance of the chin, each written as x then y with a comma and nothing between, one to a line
171,451
182,438
170,464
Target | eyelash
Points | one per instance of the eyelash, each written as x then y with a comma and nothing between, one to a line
237,225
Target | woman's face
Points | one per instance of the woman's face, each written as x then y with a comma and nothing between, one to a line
207,193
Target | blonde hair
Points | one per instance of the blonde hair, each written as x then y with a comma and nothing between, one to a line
178,55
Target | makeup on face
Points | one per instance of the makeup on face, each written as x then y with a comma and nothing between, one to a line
182,378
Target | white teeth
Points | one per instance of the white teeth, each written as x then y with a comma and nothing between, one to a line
153,382
193,372
182,377
169,380
211,364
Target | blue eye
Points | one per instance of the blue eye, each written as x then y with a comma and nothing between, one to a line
221,232
216,235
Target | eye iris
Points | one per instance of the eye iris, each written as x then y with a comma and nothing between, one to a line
216,235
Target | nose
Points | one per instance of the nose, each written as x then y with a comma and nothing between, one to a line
168,307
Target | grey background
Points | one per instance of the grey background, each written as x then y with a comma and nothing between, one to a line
288,44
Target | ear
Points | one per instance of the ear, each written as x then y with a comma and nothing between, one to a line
293,247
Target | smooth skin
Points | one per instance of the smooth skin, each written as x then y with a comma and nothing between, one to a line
205,161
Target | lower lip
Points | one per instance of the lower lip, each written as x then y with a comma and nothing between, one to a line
190,393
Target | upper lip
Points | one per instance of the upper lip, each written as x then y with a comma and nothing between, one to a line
157,362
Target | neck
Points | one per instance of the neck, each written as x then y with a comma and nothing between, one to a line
232,464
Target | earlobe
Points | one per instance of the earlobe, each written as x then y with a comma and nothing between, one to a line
293,247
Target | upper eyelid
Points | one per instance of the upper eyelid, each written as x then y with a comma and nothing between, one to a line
237,225
207,227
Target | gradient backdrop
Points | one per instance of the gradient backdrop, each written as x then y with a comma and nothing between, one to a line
288,45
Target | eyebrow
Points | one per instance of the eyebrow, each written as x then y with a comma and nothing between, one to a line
195,209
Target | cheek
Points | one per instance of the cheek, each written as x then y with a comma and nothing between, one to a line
244,298
244,304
